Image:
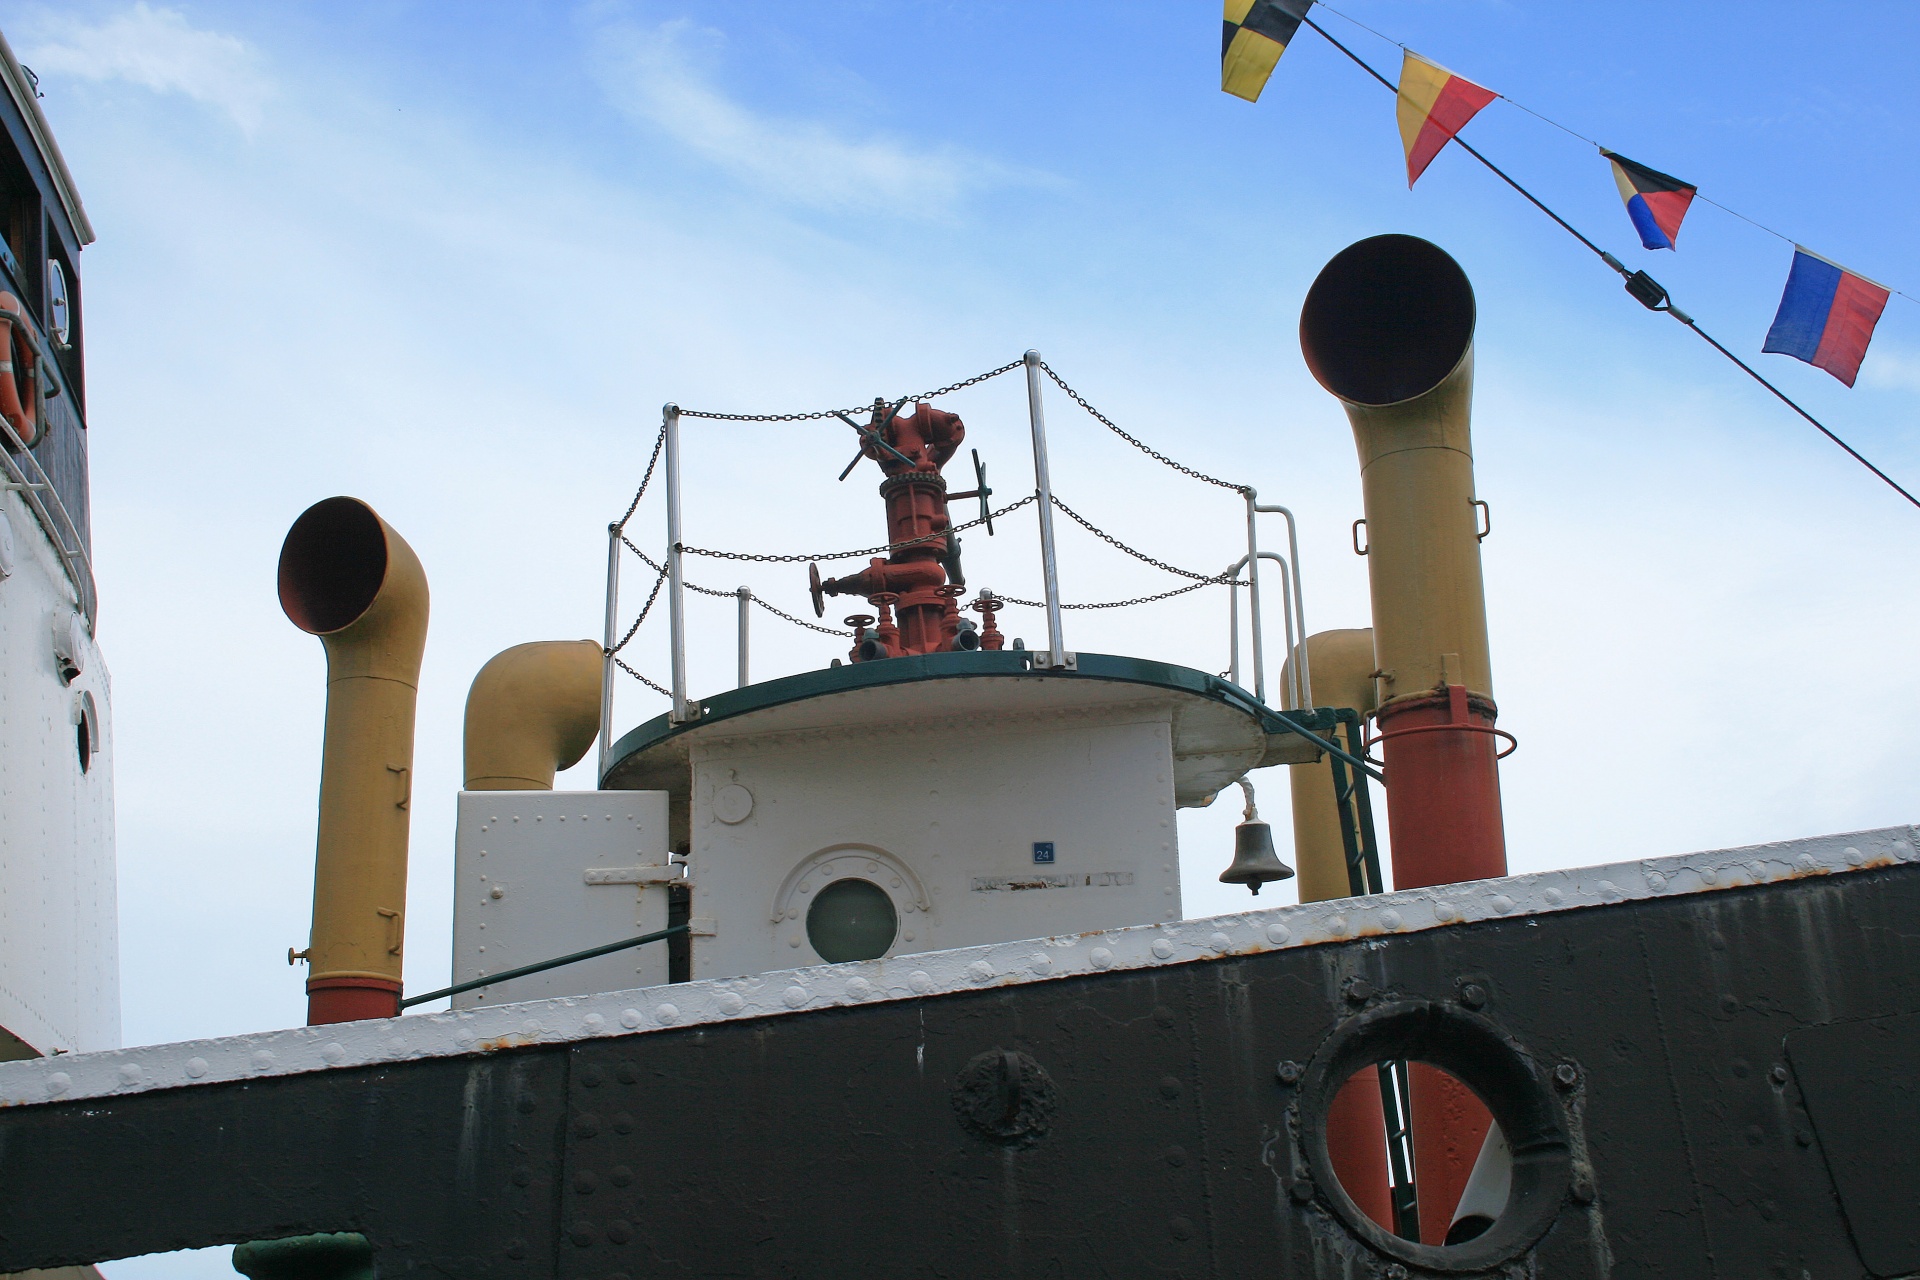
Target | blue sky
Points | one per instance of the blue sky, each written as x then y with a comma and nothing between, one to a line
452,259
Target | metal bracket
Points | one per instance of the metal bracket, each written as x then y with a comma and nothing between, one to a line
649,873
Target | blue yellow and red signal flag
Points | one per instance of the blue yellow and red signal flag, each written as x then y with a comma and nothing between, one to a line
1656,202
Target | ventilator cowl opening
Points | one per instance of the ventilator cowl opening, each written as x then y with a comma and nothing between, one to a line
1387,320
332,565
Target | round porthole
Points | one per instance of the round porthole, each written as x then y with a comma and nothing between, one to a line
59,305
852,920
1504,1221
86,730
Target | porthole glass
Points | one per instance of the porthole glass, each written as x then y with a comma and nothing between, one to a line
59,306
852,920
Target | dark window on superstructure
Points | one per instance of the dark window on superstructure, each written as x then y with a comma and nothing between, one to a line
22,227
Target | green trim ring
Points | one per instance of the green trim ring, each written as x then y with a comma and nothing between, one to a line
1311,725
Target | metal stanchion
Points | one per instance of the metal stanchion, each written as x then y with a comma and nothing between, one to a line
676,603
1057,655
606,662
745,596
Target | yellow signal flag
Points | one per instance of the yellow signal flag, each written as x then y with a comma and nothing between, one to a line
1256,34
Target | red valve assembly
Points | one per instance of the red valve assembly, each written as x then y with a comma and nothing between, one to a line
914,590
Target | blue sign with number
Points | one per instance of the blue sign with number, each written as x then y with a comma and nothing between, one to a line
1043,851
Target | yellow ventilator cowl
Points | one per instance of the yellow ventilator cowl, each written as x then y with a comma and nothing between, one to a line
1388,329
533,710
1341,662
348,578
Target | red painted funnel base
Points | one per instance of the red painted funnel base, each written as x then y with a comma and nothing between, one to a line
1443,809
351,999
1357,1145
1443,789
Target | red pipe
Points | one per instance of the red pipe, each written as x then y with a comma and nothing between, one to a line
1443,795
351,1000
1357,1145
911,451
1443,811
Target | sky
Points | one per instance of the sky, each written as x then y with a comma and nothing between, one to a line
452,259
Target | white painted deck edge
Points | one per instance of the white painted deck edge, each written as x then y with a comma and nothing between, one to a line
73,1077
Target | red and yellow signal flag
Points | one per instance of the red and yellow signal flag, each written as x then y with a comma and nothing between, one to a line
1655,201
1256,35
1434,105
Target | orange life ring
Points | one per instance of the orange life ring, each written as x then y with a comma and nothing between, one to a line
20,411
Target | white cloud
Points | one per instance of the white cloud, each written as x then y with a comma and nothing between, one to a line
158,49
652,74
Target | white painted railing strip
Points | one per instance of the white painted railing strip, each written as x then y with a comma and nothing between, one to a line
360,1044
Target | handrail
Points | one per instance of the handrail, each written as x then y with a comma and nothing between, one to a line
1303,673
73,552
1233,623
544,965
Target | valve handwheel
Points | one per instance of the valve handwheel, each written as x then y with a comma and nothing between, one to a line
813,586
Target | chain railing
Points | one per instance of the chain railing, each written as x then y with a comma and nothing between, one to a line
1219,580
665,573
935,394
1118,545
659,442
1142,446
888,547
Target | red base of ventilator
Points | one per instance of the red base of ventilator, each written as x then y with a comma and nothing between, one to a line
351,1000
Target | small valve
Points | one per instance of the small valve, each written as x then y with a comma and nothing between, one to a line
862,624
988,606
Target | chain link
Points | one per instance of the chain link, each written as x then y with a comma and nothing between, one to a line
935,394
1151,452
769,558
778,612
1118,545
642,679
659,442
1221,580
659,579
708,591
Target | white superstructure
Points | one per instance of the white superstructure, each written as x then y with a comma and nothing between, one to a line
59,948
59,952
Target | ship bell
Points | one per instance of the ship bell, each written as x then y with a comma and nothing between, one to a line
1254,860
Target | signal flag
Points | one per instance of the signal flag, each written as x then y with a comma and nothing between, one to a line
1826,315
1256,35
1655,201
1434,105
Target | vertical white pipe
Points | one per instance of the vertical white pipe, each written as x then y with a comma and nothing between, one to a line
1232,575
1290,691
745,597
1233,631
1299,601
606,662
1253,599
676,605
1056,647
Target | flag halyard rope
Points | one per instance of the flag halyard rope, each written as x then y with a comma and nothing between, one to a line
1654,299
